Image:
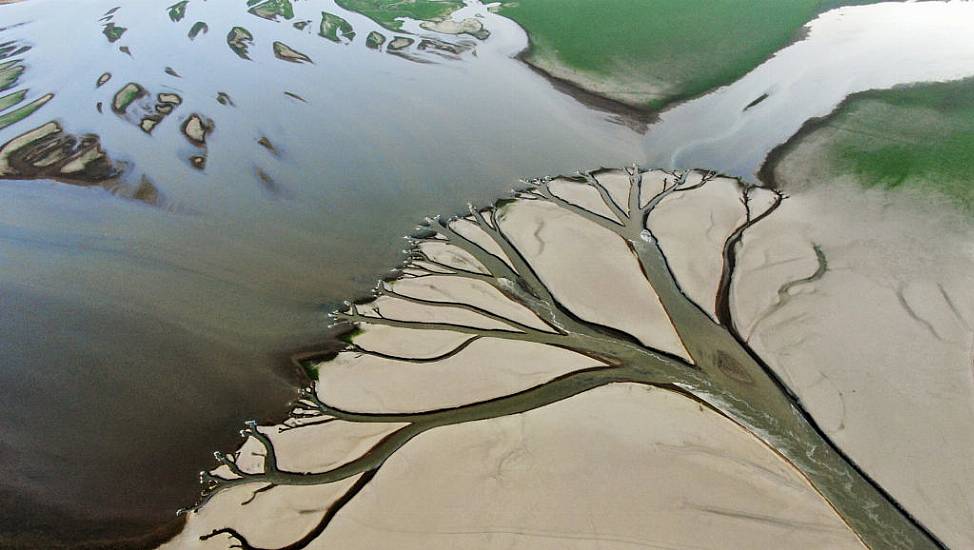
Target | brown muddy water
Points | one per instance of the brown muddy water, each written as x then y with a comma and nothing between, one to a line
165,246
148,304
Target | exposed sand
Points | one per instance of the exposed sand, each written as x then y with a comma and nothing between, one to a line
408,342
633,92
451,256
469,230
692,228
880,348
616,183
469,25
591,271
488,423
273,519
449,289
395,308
486,369
619,467
578,474
582,195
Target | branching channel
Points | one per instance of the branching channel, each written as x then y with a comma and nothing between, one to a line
478,250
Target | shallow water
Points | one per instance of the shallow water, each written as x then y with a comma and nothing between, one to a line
137,337
847,50
138,334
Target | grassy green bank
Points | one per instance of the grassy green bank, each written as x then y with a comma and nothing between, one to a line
642,53
650,53
389,14
918,137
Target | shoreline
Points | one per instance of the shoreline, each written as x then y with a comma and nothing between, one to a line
826,132
765,174
364,381
642,115
637,118
289,365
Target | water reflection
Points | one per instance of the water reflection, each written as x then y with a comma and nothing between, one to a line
229,202
48,151
845,51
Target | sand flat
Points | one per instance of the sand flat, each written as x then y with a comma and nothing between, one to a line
590,270
466,228
584,473
691,227
879,349
574,438
467,291
486,369
403,310
616,182
583,195
407,342
273,519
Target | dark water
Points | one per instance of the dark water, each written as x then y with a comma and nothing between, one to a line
148,307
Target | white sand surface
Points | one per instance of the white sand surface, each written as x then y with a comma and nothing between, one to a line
691,228
621,467
858,300
879,350
448,289
591,271
486,369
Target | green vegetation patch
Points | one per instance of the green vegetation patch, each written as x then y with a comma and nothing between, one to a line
335,28
10,49
649,53
375,40
10,100
127,95
272,9
240,39
197,28
389,12
113,32
920,136
287,53
349,337
9,74
23,112
310,369
177,11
